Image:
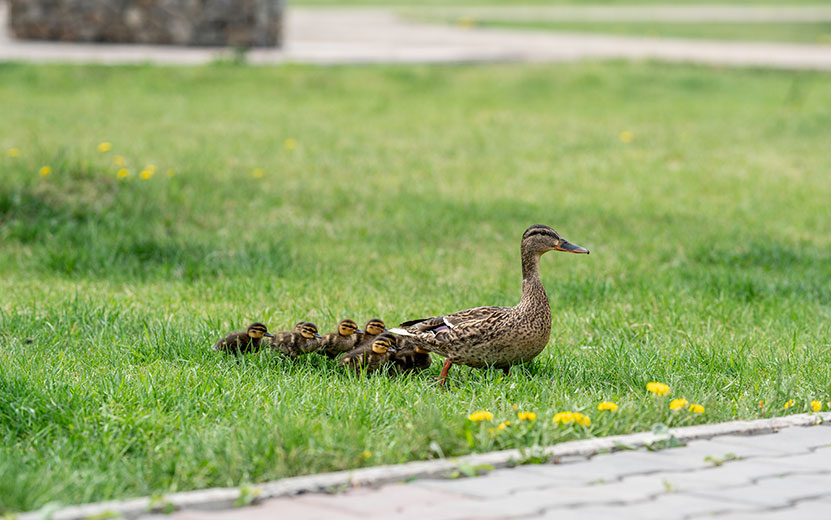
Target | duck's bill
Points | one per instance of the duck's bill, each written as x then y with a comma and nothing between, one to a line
571,248
268,334
318,336
359,331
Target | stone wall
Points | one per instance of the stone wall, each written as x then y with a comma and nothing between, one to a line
242,23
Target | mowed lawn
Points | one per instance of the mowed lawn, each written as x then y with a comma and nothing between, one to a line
288,193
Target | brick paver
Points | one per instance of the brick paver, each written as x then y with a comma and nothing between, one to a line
762,477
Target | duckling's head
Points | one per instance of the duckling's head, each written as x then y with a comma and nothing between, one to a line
375,326
258,330
541,239
309,330
347,328
298,326
383,343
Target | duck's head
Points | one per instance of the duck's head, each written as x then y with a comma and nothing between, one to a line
383,343
309,330
258,330
541,239
298,326
347,328
375,326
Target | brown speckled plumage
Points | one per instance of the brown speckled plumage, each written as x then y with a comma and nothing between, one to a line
342,340
497,336
243,341
368,358
293,344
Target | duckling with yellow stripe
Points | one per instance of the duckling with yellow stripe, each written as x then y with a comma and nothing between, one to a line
294,344
244,341
369,358
343,340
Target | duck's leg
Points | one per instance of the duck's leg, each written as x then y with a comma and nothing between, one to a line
444,370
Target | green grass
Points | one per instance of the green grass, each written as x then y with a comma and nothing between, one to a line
405,196
785,32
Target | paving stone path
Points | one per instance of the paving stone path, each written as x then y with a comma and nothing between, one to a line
785,475
379,35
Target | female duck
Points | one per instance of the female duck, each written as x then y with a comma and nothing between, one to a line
496,336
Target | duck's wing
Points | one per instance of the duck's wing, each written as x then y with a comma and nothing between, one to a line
441,334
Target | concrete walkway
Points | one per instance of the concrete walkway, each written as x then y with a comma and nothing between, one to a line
378,35
764,477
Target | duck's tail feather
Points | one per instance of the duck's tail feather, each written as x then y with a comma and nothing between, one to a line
400,332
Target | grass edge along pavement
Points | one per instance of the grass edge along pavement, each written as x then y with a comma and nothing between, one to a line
226,498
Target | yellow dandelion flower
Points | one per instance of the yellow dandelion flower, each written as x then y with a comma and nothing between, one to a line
657,388
366,454
816,405
119,160
789,403
761,404
171,173
563,418
122,173
481,415
678,403
290,144
13,152
257,173
503,425
607,405
465,21
515,406
626,136
582,420
104,147
696,408
527,416
146,174
45,170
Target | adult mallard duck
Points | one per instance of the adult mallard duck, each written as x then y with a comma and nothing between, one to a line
343,340
369,358
244,341
293,344
496,336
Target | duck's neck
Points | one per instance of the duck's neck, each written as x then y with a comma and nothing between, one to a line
533,293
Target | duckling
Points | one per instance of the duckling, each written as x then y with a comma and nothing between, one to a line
371,357
294,344
345,339
410,357
297,327
373,327
497,336
243,341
